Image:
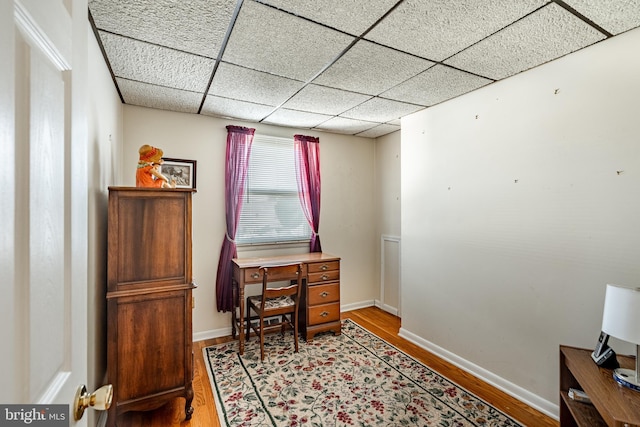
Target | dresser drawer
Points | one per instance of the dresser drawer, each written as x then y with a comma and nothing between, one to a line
324,294
326,276
324,313
319,267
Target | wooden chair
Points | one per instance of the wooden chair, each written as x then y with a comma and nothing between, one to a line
282,301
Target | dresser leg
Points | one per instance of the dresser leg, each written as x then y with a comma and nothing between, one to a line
188,409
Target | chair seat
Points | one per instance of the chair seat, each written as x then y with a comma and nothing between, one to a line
273,303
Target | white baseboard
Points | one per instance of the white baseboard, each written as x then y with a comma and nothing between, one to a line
357,305
213,333
546,407
386,307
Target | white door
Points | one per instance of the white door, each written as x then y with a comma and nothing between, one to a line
43,207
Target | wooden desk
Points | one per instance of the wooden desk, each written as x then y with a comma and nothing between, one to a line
613,405
320,301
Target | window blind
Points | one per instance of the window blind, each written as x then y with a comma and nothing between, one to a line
271,210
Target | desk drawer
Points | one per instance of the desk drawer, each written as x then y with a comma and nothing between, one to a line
324,313
326,276
323,294
319,267
252,275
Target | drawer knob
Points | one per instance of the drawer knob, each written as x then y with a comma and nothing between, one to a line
324,294
324,314
324,267
255,275
325,277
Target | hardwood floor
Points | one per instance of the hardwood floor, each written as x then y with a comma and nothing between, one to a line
377,321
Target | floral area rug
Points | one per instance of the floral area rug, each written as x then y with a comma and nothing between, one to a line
354,379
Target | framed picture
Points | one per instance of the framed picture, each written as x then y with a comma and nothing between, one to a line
180,170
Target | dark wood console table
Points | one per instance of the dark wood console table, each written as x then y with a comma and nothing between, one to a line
320,302
613,405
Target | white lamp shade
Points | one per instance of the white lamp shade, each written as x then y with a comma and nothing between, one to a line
621,317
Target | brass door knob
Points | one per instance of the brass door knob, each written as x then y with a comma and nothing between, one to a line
99,399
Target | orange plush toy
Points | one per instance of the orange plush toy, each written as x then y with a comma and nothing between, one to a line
148,172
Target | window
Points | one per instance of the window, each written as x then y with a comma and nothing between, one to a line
271,210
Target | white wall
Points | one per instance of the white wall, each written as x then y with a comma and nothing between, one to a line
514,217
387,185
347,217
103,156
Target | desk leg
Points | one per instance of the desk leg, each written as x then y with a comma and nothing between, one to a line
234,298
241,325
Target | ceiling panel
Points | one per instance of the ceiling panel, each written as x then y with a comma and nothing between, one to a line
231,108
325,100
293,118
232,81
380,110
149,63
435,85
162,98
437,29
615,16
379,130
344,66
534,40
371,69
346,126
269,40
196,26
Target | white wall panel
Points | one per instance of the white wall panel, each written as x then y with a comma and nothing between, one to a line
519,204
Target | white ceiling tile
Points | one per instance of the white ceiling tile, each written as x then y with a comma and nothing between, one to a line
231,81
162,98
275,42
350,16
296,119
541,37
437,29
346,126
435,85
223,107
371,69
380,110
378,131
615,16
153,64
196,26
325,100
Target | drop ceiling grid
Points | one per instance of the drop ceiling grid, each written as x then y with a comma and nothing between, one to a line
350,16
417,54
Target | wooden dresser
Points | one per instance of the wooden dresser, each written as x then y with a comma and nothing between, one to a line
149,301
612,405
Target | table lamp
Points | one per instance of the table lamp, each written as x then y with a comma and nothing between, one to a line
621,319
